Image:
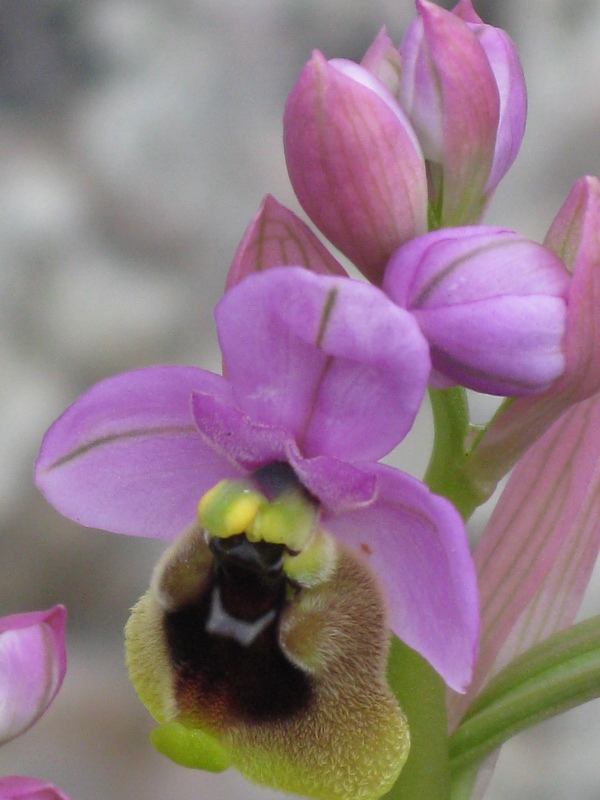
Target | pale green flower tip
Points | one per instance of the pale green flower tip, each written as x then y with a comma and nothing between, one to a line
189,747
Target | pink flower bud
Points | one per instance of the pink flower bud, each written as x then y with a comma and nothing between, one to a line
17,788
354,162
276,237
383,60
462,87
490,303
32,667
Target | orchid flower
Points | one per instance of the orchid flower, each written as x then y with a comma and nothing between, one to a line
32,668
324,375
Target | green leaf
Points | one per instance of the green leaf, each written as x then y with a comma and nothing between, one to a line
422,696
560,673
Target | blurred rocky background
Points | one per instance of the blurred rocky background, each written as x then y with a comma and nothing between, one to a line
137,137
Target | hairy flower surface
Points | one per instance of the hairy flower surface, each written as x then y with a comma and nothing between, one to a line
262,644
324,374
491,304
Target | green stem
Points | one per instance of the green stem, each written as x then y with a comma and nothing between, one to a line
446,472
422,696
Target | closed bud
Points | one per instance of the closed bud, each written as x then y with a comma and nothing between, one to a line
354,162
462,87
491,304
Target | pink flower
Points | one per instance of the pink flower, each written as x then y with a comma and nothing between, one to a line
33,664
32,667
324,374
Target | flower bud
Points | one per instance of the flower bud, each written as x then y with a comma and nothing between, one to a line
32,667
18,788
254,654
276,237
383,60
490,303
462,87
574,235
354,162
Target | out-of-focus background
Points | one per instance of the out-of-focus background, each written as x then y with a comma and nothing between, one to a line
137,138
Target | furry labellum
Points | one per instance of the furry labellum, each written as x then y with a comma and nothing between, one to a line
262,644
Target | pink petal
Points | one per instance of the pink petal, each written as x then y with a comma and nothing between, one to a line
276,237
127,456
574,235
230,433
354,163
17,788
508,73
383,60
33,662
330,360
506,66
539,548
489,302
464,9
416,542
449,92
503,345
338,485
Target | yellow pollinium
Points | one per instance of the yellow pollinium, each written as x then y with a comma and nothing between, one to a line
234,507
229,508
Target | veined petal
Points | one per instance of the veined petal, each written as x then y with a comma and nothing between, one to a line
127,457
490,303
330,360
536,555
18,788
506,66
383,60
575,236
354,162
33,661
508,73
276,237
448,89
416,542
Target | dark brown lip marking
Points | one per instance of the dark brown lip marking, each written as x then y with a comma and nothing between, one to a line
224,646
